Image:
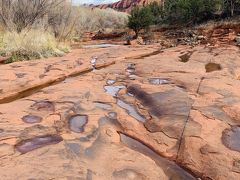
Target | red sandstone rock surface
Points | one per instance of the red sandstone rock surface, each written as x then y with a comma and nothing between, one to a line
148,115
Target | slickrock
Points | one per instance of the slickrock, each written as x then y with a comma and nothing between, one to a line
150,117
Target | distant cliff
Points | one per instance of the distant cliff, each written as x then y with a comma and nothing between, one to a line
126,5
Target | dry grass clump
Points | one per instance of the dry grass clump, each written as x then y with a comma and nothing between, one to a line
32,44
40,28
233,23
90,20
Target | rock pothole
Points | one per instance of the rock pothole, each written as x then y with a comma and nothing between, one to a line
31,119
37,142
43,106
185,57
210,67
231,138
77,123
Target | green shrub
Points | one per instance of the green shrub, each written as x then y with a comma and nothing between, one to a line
157,12
140,18
188,11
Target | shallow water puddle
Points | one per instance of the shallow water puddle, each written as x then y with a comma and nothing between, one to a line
130,110
110,82
103,105
31,119
130,71
102,45
172,170
112,115
77,123
37,142
113,90
158,81
210,67
231,138
131,66
43,106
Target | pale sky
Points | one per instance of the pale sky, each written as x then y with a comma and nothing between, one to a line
93,1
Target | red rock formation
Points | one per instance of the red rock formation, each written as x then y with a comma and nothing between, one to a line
126,5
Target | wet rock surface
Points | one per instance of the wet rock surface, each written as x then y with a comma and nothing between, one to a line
128,174
77,123
31,119
210,67
43,106
149,114
231,138
37,142
131,110
185,57
158,81
172,170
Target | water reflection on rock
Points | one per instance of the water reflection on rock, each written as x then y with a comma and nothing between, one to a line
77,123
37,142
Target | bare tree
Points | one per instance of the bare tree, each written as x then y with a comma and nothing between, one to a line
20,14
62,20
231,6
